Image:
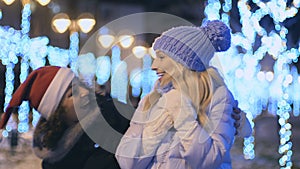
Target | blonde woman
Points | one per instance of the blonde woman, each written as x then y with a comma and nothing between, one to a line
185,122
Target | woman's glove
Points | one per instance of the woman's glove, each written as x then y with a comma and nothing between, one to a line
154,132
241,123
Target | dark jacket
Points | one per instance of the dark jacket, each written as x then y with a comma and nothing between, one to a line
86,154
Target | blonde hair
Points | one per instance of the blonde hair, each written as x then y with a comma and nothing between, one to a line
199,86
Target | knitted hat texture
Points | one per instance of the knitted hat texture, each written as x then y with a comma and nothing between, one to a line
193,46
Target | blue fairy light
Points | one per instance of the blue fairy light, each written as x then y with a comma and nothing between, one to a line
135,81
103,69
276,94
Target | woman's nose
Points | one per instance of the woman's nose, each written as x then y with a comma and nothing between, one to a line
154,65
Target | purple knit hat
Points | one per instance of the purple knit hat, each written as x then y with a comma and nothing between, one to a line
192,46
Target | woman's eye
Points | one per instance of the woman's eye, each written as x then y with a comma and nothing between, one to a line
69,93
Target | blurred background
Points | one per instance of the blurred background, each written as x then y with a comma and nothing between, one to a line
261,68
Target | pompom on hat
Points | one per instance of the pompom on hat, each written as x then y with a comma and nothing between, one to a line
43,88
193,46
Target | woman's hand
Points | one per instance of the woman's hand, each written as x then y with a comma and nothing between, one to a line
236,115
159,125
241,124
154,132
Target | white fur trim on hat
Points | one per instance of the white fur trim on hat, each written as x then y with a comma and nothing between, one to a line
55,92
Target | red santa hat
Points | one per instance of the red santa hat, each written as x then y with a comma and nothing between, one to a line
43,88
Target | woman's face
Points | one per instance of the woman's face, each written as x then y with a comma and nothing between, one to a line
74,90
165,68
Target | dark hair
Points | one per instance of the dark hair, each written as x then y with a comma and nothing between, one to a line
48,132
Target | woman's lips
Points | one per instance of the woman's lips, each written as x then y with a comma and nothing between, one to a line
160,75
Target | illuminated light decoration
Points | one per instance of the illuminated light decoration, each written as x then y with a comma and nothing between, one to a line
104,30
261,76
9,88
119,81
8,2
115,61
86,25
35,117
276,85
32,53
38,51
86,68
103,69
239,73
62,25
73,50
23,117
106,40
149,76
139,51
152,52
5,133
54,7
61,22
126,41
25,23
211,8
24,107
43,2
86,22
135,81
269,76
296,95
58,57
23,111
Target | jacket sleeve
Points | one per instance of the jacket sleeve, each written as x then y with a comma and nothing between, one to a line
129,151
207,146
141,140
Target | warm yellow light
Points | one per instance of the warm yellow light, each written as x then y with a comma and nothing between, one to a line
61,25
86,22
43,2
24,2
152,52
86,25
126,40
106,40
61,22
139,51
8,2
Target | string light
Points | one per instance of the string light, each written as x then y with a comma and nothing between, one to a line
74,49
103,69
149,76
33,52
135,81
115,61
272,89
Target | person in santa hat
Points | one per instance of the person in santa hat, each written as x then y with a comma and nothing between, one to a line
59,138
